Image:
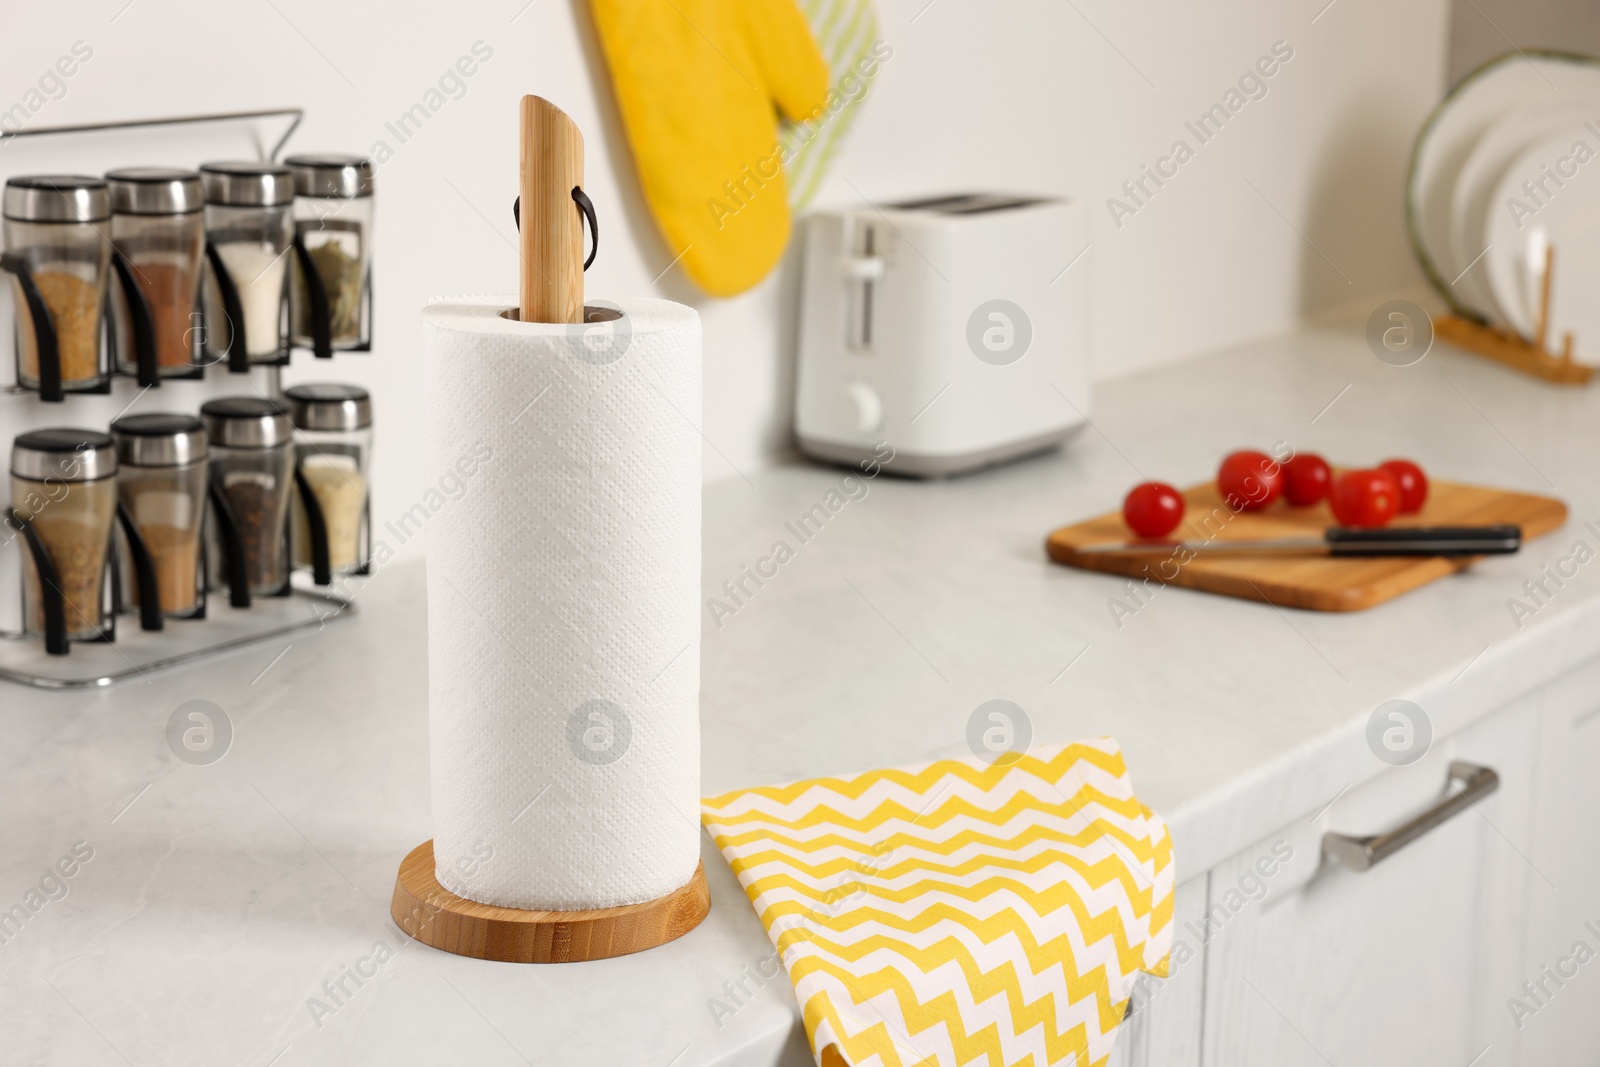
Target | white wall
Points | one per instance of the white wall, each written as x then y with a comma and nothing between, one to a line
1479,29
1032,94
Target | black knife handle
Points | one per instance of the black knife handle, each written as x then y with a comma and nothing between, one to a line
1498,539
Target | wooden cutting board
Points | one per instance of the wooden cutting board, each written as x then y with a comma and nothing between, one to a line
1315,583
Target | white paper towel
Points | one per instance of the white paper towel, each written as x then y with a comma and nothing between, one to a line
563,605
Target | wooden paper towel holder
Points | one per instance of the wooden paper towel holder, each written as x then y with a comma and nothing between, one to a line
551,212
430,913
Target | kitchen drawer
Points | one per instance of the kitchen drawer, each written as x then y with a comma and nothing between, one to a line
1309,962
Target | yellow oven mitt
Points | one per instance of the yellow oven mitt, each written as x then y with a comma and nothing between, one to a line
700,84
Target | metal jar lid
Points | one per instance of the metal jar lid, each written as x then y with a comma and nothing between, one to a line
160,439
155,191
246,422
330,174
57,198
63,455
329,406
247,184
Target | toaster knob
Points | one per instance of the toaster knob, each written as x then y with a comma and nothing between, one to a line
866,405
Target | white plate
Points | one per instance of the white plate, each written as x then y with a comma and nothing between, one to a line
1506,139
1453,129
1568,219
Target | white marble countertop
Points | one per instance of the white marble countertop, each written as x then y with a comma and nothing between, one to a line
219,900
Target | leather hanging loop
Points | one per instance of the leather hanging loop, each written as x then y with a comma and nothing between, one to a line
586,205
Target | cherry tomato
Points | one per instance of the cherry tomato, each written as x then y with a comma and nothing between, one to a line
1365,498
1152,509
1411,482
1306,480
1249,480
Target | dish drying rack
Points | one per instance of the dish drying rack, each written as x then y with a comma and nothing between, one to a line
1507,347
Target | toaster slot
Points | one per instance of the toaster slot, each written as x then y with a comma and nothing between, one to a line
864,270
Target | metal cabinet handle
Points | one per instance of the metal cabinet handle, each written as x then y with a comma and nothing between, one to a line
1360,853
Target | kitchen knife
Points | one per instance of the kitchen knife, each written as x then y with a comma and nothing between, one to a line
1342,541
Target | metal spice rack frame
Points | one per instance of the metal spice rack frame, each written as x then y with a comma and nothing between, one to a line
324,606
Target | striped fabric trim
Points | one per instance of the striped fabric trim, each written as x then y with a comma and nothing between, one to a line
959,912
845,31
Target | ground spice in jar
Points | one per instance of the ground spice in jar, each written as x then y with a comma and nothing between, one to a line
175,551
341,492
173,541
75,308
169,288
258,509
341,278
63,484
80,558
257,270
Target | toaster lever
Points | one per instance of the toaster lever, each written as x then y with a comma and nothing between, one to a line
865,268
863,272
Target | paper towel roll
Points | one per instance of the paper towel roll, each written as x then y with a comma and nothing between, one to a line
563,604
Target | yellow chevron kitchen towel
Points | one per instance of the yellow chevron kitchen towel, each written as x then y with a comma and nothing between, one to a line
959,912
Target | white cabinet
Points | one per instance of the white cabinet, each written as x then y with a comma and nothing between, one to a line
1310,963
1476,944
1162,1028
1559,1013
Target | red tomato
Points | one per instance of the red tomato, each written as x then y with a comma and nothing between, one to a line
1365,498
1249,480
1152,509
1410,480
1306,480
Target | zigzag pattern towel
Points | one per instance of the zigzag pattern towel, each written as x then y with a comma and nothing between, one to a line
959,912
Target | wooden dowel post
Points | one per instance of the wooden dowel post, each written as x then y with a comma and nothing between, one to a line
1504,345
1542,327
552,224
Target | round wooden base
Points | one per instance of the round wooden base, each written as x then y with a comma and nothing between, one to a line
427,911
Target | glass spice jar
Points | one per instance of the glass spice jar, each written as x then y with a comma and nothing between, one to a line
161,478
333,446
252,462
158,224
333,219
64,482
249,220
56,225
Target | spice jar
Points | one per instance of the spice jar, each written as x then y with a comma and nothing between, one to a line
57,247
333,220
158,226
333,446
161,478
250,224
252,463
64,484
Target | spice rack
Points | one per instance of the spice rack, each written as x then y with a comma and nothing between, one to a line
141,643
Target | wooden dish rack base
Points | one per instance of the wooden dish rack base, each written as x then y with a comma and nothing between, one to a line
1511,348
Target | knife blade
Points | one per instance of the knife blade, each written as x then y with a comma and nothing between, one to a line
1497,539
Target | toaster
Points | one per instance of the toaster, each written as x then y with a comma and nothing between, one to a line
954,329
